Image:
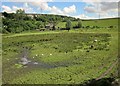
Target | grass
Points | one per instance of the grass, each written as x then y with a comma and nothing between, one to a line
103,23
63,57
70,53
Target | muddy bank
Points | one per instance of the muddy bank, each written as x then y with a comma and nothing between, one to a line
24,59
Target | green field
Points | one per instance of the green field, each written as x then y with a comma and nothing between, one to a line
65,57
60,57
101,23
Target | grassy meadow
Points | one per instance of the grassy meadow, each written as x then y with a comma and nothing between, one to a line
61,57
103,23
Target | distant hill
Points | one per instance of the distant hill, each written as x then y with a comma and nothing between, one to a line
90,22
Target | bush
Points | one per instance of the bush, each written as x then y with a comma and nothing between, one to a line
68,25
79,24
4,31
87,27
18,29
110,26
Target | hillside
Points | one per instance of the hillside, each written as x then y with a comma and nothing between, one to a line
20,21
95,22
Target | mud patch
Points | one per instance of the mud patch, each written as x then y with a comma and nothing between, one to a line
25,61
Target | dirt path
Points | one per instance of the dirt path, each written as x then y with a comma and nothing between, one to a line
107,71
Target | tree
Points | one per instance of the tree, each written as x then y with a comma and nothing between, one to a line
38,24
79,24
5,14
68,25
30,25
54,21
20,14
27,18
20,11
8,15
18,29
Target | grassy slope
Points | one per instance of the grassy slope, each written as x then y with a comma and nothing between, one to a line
71,74
101,23
77,73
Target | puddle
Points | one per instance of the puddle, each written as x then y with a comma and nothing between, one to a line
25,61
24,57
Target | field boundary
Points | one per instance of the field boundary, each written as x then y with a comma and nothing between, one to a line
40,33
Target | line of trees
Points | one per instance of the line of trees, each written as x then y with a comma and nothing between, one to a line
69,25
19,21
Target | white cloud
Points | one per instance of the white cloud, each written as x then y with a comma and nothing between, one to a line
56,10
93,6
104,9
70,9
108,6
42,5
6,9
100,9
90,9
64,11
13,9
83,16
26,5
53,9
27,8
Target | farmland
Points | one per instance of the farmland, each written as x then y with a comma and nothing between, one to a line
60,57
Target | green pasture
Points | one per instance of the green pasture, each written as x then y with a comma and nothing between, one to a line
65,57
103,23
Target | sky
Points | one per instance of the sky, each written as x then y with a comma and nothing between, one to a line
84,9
